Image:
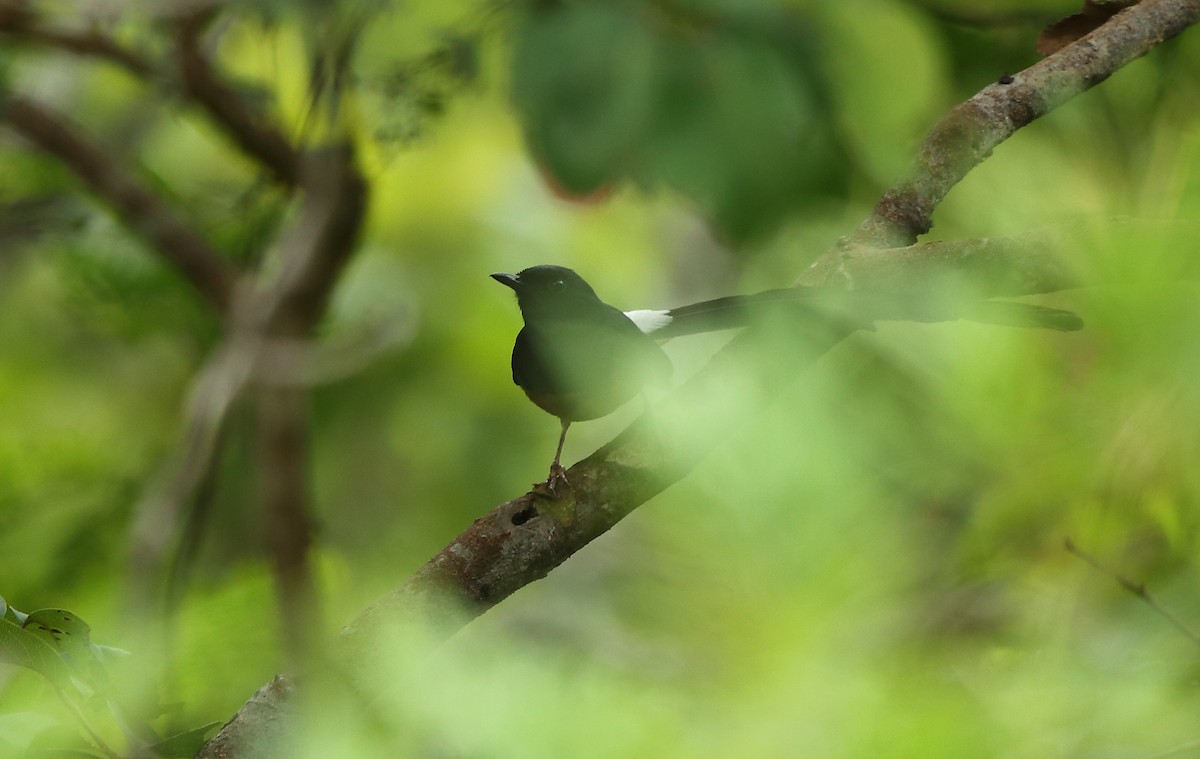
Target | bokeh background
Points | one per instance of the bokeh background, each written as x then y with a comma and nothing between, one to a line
873,565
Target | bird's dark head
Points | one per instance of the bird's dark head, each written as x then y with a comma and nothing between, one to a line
549,291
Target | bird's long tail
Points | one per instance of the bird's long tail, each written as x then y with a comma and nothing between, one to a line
1023,315
859,308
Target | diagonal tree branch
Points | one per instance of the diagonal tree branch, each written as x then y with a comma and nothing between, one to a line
968,134
19,24
172,238
1040,261
1021,264
250,131
263,725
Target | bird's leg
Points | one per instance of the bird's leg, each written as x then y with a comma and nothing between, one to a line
557,473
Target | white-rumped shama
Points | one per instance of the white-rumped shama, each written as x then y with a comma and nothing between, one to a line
579,358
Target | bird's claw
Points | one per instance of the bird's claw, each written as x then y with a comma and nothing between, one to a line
557,479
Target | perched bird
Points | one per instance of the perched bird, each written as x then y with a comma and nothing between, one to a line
579,358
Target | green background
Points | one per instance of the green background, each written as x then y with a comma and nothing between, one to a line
872,566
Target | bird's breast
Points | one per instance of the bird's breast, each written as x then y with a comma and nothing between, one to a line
579,370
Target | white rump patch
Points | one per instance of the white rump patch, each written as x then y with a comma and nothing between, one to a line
649,320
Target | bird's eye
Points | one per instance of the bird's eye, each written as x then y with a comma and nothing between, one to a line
559,285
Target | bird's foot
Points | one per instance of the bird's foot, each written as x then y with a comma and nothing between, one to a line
556,480
558,476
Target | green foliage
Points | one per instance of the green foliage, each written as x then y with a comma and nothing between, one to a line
871,566
722,104
56,644
24,647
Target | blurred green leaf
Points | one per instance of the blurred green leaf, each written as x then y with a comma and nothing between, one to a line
871,565
740,129
32,650
71,637
887,74
723,107
584,77
65,632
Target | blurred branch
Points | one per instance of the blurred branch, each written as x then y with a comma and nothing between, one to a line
178,494
971,131
312,255
1044,260
282,308
1136,588
175,492
147,214
248,130
282,420
306,363
251,132
19,24
1021,264
24,220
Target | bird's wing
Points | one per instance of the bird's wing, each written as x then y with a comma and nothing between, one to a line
582,369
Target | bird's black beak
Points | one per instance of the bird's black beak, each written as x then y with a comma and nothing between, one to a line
508,280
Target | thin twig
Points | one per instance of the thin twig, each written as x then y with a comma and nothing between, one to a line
87,726
1136,588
